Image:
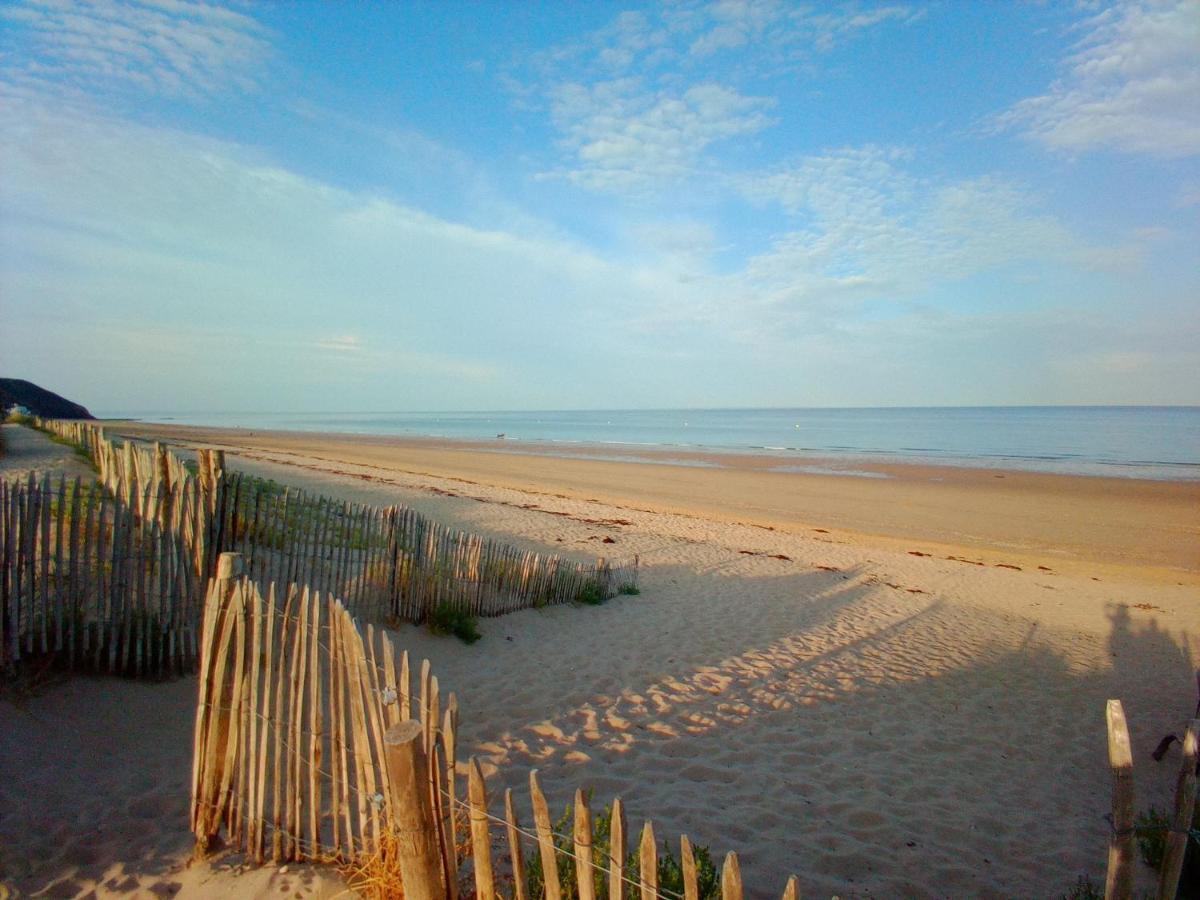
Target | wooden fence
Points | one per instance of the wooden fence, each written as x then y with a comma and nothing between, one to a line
293,705
106,583
114,578
312,743
1118,884
392,564
385,563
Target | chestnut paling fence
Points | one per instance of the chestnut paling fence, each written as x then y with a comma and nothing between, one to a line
110,575
313,743
103,582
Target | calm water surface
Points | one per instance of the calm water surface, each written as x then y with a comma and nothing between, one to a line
1131,441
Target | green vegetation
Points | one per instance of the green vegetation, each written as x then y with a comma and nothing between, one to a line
1151,828
305,515
670,872
629,588
1084,889
447,618
78,449
591,593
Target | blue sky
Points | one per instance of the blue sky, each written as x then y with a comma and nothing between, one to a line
303,206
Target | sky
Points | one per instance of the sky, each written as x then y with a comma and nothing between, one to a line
504,206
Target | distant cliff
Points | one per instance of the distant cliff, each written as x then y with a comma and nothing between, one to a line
38,401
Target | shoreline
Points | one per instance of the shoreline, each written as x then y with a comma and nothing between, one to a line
1012,517
847,462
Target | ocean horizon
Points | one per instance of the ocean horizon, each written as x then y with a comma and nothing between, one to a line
1154,442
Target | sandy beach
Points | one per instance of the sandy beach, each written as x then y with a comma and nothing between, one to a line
889,686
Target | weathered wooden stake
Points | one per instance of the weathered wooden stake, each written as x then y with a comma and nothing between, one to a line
1118,885
414,825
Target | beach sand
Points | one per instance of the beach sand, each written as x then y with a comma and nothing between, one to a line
888,686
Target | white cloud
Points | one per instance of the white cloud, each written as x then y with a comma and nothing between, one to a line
772,35
270,283
865,228
1132,85
167,47
627,139
648,95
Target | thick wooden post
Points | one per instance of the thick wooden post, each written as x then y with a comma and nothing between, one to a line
412,811
229,567
1118,885
1181,821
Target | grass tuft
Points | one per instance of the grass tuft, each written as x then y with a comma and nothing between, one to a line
447,618
376,876
1084,889
591,594
630,589
670,872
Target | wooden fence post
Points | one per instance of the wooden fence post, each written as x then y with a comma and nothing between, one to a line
1181,821
412,811
229,567
1118,885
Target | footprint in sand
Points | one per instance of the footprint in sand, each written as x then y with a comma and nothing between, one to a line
547,729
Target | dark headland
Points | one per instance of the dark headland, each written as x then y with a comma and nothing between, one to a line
38,400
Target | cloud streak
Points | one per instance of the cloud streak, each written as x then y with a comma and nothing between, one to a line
627,139
1132,85
660,88
174,48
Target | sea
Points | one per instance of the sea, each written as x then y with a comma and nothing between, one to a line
1152,442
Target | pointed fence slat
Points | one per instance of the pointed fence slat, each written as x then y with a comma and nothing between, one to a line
583,848
616,858
541,820
687,863
731,878
481,849
515,853
648,864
